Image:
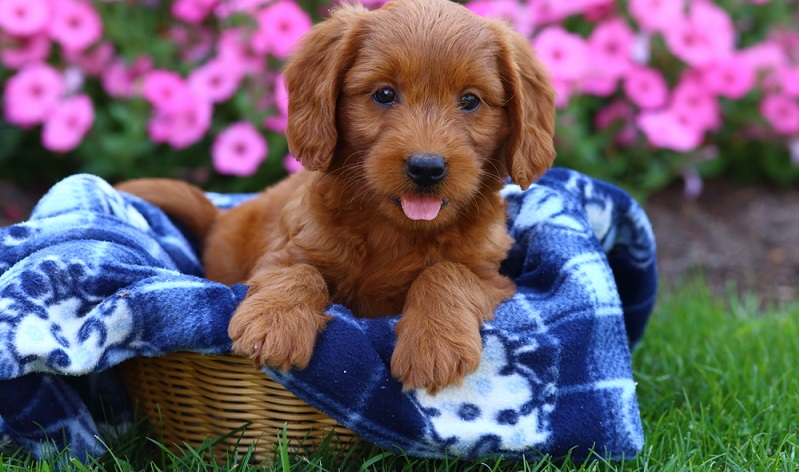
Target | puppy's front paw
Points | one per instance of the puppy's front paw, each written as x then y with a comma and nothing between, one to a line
433,357
277,335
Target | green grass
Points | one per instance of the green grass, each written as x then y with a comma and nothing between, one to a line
718,386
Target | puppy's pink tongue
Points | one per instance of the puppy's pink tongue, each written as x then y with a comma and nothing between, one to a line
421,207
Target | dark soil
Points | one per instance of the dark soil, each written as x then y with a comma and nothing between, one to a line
740,238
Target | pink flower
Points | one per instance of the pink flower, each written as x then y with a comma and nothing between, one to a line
565,54
182,128
618,112
563,92
694,104
30,94
239,150
24,17
666,130
279,122
123,81
646,87
596,82
764,56
281,95
216,80
280,26
235,47
19,51
167,91
291,164
75,24
69,121
789,80
508,10
230,7
192,11
553,11
705,35
729,77
656,15
195,42
610,46
93,61
781,112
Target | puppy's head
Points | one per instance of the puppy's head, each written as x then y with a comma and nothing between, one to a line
419,107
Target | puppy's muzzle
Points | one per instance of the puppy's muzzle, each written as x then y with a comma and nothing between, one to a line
426,170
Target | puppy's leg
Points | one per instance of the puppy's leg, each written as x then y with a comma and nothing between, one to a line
438,336
277,323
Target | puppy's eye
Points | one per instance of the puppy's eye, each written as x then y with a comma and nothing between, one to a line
385,96
468,102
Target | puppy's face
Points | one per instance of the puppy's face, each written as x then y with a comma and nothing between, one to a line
430,108
421,112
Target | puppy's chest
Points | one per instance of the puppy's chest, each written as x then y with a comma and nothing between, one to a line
376,282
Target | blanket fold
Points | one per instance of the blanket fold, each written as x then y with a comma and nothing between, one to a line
96,277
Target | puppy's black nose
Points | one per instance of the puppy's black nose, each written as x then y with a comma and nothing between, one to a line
426,170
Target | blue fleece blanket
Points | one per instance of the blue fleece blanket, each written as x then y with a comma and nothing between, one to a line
96,277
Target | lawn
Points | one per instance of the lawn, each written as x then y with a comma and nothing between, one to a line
718,387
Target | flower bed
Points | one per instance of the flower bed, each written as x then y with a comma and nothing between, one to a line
648,89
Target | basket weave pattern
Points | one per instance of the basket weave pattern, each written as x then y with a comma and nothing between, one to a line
189,397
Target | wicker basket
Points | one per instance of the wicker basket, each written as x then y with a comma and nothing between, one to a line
189,397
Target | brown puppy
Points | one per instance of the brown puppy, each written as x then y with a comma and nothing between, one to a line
407,119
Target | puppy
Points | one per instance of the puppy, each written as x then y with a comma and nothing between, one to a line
407,120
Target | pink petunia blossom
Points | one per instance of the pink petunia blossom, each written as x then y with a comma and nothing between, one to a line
121,80
235,47
193,11
598,83
789,80
565,54
610,46
18,51
694,104
600,12
195,42
239,150
30,94
279,122
645,87
291,164
563,92
24,17
69,121
229,7
180,129
508,10
280,26
781,112
729,77
75,24
703,36
92,61
666,130
216,80
764,56
656,15
553,11
167,91
618,112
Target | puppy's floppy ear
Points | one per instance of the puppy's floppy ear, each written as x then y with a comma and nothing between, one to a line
530,97
313,79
